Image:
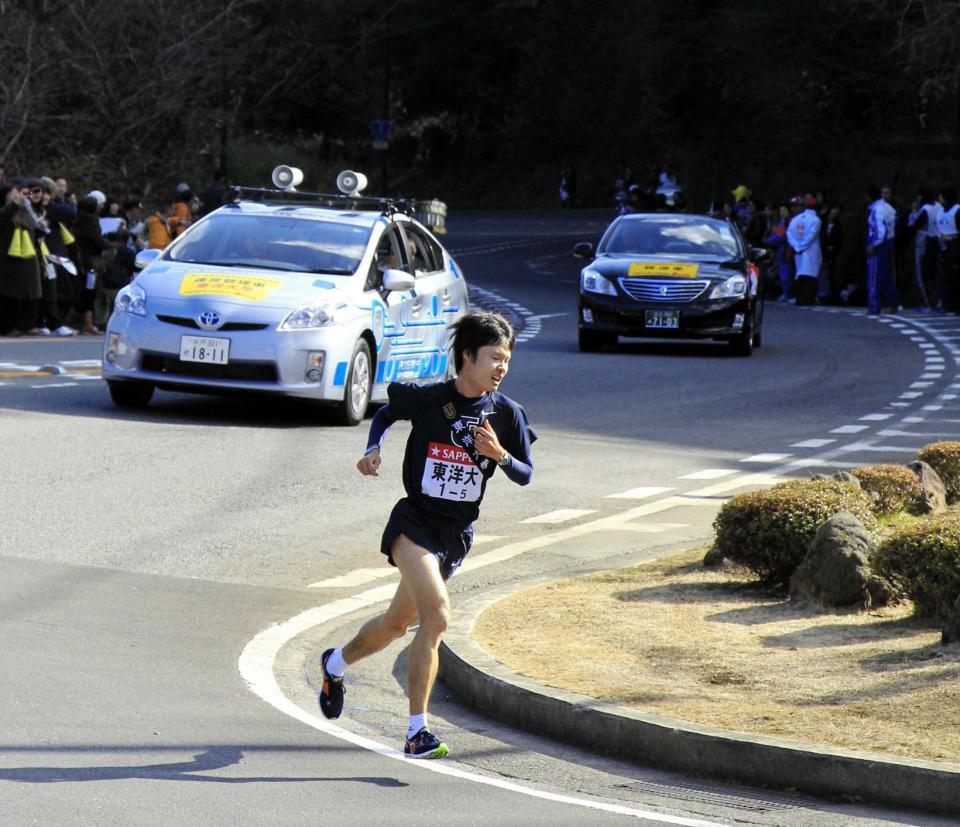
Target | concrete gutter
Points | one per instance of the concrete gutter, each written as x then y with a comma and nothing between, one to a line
655,740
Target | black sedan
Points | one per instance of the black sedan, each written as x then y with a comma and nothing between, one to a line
670,275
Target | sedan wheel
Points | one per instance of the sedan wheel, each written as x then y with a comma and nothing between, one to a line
356,393
592,341
130,394
742,344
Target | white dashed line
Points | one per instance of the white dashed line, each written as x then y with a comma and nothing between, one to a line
849,429
877,417
561,515
709,474
812,443
639,493
766,458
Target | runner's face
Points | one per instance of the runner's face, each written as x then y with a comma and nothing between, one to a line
490,367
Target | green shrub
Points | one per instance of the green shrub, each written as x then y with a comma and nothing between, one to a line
922,561
770,531
944,458
893,487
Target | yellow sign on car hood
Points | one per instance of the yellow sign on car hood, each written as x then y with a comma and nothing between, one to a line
251,288
663,268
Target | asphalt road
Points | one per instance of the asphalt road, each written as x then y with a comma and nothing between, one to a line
146,558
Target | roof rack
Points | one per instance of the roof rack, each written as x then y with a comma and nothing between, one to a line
387,206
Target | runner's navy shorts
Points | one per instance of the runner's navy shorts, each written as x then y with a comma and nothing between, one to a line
448,544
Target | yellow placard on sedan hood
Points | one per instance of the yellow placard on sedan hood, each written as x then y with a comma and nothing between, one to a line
251,288
663,268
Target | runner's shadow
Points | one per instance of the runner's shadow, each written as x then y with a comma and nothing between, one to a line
213,759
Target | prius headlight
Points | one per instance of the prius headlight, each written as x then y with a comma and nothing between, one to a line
592,282
309,318
131,299
730,288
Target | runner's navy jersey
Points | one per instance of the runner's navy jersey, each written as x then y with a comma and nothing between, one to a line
443,474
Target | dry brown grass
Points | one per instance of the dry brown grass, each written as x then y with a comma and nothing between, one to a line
709,646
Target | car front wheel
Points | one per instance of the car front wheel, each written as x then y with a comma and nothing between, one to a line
742,344
356,394
130,394
592,341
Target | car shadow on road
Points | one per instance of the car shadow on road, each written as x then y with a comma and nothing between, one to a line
169,408
210,759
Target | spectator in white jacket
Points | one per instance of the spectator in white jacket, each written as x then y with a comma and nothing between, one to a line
881,225
803,235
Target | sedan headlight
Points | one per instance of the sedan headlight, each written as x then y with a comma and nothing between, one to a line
730,288
131,299
592,282
309,318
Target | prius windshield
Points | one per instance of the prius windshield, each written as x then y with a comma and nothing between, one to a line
274,242
671,235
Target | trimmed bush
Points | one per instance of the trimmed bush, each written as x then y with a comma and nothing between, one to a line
944,458
893,487
923,563
770,531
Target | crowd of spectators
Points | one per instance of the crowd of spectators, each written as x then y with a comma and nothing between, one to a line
883,254
890,256
64,256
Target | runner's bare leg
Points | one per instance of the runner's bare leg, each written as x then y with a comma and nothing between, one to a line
381,631
420,571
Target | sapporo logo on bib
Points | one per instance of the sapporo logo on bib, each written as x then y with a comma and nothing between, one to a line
451,474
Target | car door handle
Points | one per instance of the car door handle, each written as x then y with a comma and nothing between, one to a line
446,297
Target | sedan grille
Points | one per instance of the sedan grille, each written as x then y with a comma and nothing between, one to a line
663,290
238,371
184,321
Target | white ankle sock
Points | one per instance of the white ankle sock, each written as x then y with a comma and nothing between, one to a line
336,665
417,722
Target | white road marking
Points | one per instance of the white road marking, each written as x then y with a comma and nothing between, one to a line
81,363
56,385
921,384
639,493
849,429
356,577
479,539
561,515
766,458
739,482
807,463
875,417
709,474
651,528
812,443
910,395
912,419
256,667
932,408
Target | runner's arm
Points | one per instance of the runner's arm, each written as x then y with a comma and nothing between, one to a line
518,471
379,428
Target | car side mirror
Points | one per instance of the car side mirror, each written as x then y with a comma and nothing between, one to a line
583,250
398,280
145,257
759,253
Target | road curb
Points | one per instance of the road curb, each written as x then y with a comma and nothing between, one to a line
655,740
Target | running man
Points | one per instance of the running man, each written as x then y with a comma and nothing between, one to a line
463,430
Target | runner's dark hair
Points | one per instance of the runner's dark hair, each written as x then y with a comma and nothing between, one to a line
478,329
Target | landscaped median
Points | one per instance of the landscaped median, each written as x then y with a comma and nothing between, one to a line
825,614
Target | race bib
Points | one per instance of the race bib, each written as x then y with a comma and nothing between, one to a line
450,474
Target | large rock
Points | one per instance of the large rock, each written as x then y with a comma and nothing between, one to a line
934,498
950,632
836,571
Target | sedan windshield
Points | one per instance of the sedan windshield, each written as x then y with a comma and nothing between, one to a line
671,235
275,243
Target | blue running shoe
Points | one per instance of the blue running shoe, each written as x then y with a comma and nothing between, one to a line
331,691
425,745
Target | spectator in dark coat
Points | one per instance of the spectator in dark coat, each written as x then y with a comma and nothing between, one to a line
91,246
19,267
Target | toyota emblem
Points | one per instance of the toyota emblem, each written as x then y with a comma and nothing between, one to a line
209,319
